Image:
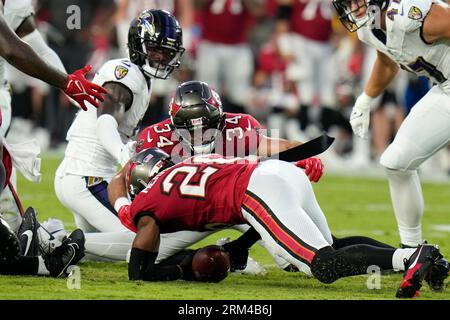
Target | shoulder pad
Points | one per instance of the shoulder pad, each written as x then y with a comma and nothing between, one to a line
412,13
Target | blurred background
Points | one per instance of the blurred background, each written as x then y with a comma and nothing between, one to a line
288,63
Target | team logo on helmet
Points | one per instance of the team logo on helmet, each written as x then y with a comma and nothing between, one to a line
415,13
120,72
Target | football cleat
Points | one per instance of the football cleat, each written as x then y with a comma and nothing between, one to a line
9,244
70,252
416,270
28,234
437,275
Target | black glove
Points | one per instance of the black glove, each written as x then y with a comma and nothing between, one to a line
186,265
238,255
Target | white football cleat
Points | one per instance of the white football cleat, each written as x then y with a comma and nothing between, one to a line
252,268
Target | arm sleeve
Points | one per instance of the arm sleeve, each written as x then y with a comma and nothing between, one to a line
35,40
109,136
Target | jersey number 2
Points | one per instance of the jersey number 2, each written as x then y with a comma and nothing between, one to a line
186,187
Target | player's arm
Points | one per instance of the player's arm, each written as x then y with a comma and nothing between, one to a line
145,246
383,72
268,146
22,56
110,113
27,32
436,25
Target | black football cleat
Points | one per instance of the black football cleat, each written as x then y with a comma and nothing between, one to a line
28,234
416,270
9,244
69,253
437,275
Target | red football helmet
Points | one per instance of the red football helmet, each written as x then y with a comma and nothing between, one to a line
197,116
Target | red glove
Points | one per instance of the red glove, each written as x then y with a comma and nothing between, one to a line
80,89
313,168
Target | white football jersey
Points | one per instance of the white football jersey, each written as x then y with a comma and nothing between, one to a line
14,12
404,44
85,155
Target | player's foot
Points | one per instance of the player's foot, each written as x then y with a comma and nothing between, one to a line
437,275
252,268
291,268
27,233
9,244
416,269
68,253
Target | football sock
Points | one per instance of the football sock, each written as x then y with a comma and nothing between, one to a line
348,241
399,257
407,200
21,266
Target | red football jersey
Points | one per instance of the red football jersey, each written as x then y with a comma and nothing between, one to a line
241,137
225,21
201,193
312,19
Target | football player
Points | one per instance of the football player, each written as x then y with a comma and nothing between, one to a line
198,125
52,263
99,139
210,190
413,35
19,16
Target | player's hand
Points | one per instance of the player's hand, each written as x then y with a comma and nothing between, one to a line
238,256
313,168
186,266
81,90
360,116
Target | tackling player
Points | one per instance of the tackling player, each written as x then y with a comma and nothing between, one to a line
413,35
99,139
209,191
198,125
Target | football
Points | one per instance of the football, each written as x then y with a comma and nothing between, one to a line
211,264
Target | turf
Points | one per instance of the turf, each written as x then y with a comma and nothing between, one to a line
353,206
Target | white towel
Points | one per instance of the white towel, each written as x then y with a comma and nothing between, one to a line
25,158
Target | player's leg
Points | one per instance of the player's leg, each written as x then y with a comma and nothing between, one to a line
106,237
87,200
424,132
238,70
172,243
54,264
209,64
276,214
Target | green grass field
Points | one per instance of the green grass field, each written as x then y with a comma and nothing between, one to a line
353,206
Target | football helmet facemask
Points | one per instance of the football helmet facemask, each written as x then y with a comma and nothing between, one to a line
144,167
155,43
197,116
354,14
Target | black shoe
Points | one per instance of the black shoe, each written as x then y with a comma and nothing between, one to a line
68,253
417,269
9,244
437,275
291,268
28,235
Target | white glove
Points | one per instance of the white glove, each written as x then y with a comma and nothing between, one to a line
360,116
127,152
